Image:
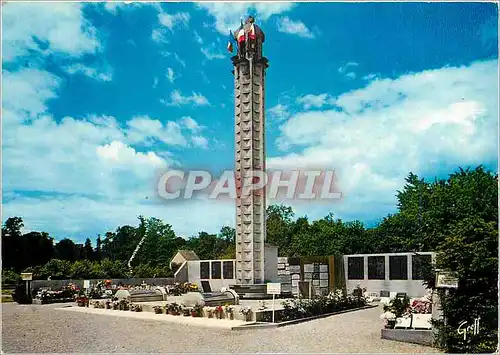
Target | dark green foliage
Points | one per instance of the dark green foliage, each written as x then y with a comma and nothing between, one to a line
398,306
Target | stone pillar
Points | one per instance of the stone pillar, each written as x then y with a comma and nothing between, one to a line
249,74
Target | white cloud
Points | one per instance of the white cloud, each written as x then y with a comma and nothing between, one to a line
391,127
174,20
199,141
170,75
347,72
25,93
211,53
279,112
159,35
316,101
286,25
227,15
93,73
190,124
177,99
198,38
145,130
61,27
115,7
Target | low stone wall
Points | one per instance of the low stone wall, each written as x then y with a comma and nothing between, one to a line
36,284
422,337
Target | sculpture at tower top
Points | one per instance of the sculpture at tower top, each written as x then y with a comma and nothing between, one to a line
249,37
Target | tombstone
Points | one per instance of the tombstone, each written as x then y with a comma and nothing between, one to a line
421,321
403,322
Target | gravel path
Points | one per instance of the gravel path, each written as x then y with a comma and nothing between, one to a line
38,329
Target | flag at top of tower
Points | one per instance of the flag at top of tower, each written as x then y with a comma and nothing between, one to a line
251,33
230,42
241,35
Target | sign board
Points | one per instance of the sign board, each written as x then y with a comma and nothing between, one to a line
446,279
26,276
86,284
273,288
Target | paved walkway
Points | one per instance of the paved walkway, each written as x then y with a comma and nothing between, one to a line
38,329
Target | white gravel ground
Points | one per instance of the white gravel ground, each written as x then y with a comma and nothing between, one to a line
39,329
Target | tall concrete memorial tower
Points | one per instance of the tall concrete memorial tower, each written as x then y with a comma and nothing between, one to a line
249,74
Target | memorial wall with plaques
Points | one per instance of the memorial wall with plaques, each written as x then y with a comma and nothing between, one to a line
291,271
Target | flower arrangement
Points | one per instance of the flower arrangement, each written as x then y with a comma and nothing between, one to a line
390,319
158,309
263,305
123,305
179,289
229,310
115,305
219,311
108,304
210,312
421,307
246,312
186,312
136,308
173,309
197,311
82,301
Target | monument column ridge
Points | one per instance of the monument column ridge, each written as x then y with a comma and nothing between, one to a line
249,89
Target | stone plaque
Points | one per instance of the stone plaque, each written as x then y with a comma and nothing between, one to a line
281,266
323,268
287,268
307,276
294,269
315,282
295,283
308,267
323,276
282,259
323,283
295,277
317,290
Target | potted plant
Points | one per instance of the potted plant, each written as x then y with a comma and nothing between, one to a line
229,312
108,304
246,312
210,312
158,309
186,312
219,311
197,311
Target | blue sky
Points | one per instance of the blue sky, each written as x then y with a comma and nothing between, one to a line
98,99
